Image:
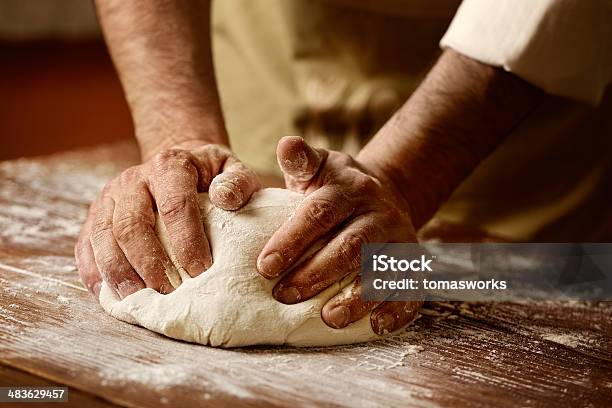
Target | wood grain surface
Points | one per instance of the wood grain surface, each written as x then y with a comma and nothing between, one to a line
456,355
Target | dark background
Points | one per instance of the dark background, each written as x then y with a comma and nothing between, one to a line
57,82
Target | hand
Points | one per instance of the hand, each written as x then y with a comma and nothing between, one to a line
357,206
118,243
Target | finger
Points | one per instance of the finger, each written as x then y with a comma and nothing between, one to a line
88,271
340,257
209,161
133,228
391,316
347,306
316,216
85,261
234,186
229,182
299,162
174,187
114,267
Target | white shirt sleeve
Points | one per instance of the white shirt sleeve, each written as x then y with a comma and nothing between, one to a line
562,46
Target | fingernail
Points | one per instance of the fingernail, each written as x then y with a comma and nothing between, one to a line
96,289
166,288
338,317
270,266
384,323
288,295
126,288
196,267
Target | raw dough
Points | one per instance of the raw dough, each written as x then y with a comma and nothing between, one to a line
231,305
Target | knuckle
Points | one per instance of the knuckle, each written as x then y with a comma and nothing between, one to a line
174,205
101,226
214,155
343,159
322,213
176,157
128,228
364,184
217,150
128,176
208,160
350,250
108,263
165,155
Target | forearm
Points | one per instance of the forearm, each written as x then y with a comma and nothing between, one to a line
459,114
162,51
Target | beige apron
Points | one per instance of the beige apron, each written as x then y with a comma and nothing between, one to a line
334,72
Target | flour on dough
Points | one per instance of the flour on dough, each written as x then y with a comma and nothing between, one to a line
230,304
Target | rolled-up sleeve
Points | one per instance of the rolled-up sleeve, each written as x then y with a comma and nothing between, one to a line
562,46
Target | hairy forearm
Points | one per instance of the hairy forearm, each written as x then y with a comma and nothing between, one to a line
162,51
459,114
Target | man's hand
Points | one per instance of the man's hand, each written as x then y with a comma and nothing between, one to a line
118,243
349,205
457,116
162,52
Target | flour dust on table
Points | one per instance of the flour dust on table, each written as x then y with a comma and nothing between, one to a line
231,305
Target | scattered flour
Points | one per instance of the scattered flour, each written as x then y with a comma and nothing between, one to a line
185,364
572,340
63,299
160,377
62,185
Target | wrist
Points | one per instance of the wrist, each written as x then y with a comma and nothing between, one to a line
456,118
154,137
412,196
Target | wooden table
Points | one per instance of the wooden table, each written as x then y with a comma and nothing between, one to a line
456,355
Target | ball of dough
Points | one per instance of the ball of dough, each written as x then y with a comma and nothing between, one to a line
230,304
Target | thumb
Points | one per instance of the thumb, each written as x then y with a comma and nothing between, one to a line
298,161
233,187
229,182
